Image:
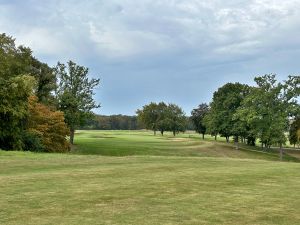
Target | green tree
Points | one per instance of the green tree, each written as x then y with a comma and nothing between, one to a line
149,115
163,120
75,94
177,119
294,132
18,60
16,86
162,117
46,82
14,93
226,100
267,108
197,116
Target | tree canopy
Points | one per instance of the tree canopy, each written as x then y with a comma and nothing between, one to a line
197,116
75,94
226,100
163,117
29,119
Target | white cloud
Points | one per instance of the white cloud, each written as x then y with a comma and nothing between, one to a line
44,41
128,28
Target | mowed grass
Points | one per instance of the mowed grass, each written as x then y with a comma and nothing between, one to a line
126,143
164,187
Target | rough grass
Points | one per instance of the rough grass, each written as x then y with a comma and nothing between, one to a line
73,189
158,188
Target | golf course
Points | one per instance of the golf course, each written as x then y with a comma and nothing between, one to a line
134,177
149,112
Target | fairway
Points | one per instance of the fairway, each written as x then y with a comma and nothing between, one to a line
180,187
126,143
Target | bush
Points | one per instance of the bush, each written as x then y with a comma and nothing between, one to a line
47,125
32,142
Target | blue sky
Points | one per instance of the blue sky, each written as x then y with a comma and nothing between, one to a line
160,50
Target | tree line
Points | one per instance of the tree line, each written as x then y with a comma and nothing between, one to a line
265,112
41,105
113,122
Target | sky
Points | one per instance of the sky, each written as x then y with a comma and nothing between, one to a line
160,50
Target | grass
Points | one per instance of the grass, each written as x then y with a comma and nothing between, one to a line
186,185
125,143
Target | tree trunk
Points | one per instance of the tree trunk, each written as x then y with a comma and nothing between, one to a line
281,152
162,133
154,132
227,139
72,132
174,133
203,136
236,142
215,137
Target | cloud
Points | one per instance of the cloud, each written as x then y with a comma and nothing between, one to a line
130,28
163,43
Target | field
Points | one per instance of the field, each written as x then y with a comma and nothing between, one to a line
124,177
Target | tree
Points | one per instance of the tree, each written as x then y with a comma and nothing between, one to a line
14,93
75,94
294,132
162,117
16,87
163,120
267,108
226,100
20,76
177,119
197,117
149,116
48,126
46,82
112,122
18,60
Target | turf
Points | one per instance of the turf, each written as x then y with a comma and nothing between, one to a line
125,143
158,188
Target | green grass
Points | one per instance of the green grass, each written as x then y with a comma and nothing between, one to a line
176,183
125,143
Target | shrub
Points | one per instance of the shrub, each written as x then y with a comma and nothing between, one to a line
32,141
49,126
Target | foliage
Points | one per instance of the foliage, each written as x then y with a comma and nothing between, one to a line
197,117
75,94
49,126
149,116
20,74
266,110
176,119
112,122
46,82
18,60
32,141
294,132
226,100
14,93
163,117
